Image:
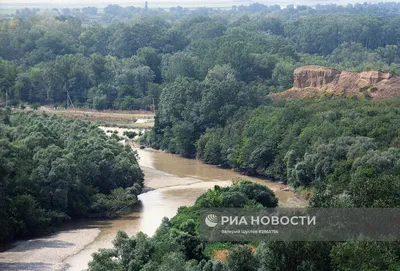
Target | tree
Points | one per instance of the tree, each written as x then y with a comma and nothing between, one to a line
151,59
42,182
103,260
184,133
365,255
209,147
31,86
69,73
241,259
294,256
178,64
113,10
257,192
89,10
8,74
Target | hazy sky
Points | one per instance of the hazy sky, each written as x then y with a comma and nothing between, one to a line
43,4
98,3
94,2
169,3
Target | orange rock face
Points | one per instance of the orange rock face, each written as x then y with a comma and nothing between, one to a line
314,76
315,81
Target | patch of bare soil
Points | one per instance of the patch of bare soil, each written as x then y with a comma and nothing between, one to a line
126,119
223,254
317,81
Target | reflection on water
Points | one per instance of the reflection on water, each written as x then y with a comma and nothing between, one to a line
176,182
182,167
195,169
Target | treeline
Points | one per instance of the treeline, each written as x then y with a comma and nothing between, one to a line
176,245
344,152
54,169
302,142
113,13
126,65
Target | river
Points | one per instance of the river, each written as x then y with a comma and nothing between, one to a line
171,181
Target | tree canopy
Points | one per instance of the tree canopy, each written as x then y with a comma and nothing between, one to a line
115,58
54,169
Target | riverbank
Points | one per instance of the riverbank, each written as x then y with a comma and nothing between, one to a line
171,181
71,248
47,253
166,193
196,169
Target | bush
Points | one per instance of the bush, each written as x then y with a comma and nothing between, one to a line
130,134
35,106
241,259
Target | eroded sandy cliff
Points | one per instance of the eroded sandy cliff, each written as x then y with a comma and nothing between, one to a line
316,81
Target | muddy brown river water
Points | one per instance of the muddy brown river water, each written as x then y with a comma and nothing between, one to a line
172,181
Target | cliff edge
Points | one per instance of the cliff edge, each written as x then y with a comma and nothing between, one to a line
317,81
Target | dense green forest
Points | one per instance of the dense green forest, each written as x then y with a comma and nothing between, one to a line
54,169
301,142
127,57
177,246
208,72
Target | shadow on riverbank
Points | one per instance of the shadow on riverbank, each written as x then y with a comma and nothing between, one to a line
31,266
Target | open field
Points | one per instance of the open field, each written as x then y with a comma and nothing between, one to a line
125,119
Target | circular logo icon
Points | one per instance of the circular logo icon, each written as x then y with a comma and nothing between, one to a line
211,220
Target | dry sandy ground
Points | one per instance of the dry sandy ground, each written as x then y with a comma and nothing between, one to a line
120,131
71,249
128,119
54,252
46,253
